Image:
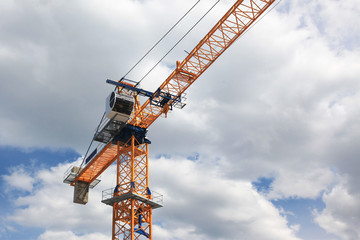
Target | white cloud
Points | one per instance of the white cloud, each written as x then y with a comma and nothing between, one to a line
310,184
61,235
282,101
340,28
183,231
217,207
341,215
49,206
19,179
295,227
198,204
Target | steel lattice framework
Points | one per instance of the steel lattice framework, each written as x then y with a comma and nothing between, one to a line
230,27
132,218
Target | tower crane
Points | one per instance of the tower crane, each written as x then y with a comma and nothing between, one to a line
123,132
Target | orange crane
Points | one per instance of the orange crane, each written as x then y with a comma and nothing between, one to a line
123,133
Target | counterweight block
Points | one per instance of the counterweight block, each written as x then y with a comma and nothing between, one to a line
81,192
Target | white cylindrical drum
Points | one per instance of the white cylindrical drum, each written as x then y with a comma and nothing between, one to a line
119,106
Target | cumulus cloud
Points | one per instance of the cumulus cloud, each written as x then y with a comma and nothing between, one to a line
282,102
342,213
19,179
311,184
198,204
49,205
48,235
215,206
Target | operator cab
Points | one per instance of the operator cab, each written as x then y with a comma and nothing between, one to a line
119,106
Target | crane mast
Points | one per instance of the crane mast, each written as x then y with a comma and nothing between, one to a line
124,139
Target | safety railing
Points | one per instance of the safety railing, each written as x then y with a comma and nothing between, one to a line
71,173
155,196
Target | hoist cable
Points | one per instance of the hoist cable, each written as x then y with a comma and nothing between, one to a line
92,140
177,43
162,38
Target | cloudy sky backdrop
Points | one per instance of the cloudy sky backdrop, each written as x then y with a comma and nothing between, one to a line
267,148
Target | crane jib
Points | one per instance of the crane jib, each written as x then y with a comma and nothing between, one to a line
123,134
239,18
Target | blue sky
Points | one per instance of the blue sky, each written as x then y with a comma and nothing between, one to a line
31,160
298,211
266,148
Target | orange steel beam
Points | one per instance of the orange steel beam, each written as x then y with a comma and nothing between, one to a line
100,163
131,215
132,164
230,27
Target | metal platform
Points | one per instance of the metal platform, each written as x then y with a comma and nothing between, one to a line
70,175
109,199
108,130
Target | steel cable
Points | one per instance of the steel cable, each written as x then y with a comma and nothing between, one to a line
161,38
177,43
